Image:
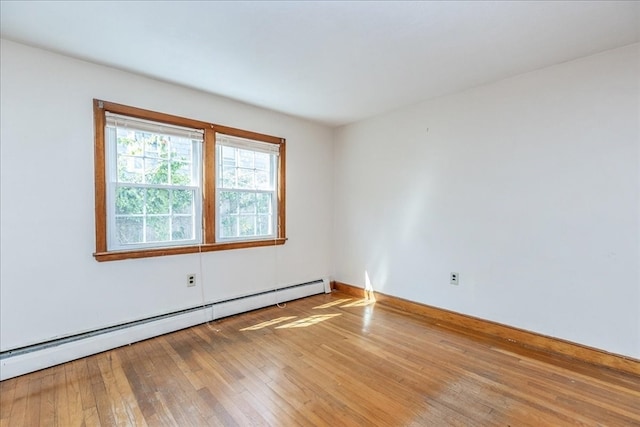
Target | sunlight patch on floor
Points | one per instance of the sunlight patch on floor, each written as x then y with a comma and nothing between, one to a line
308,321
268,323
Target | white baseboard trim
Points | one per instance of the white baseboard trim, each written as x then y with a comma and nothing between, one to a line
23,362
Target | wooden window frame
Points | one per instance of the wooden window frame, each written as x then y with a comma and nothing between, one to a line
208,185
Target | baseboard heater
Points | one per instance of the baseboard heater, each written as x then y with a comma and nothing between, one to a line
34,357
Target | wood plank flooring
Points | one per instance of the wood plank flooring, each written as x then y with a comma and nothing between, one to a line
327,360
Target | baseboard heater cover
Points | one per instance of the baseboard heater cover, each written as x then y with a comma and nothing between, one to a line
32,358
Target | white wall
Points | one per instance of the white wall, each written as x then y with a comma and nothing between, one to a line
51,286
529,188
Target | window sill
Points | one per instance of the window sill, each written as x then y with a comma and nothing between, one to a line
178,250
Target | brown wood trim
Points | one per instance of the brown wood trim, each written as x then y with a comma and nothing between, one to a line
524,338
141,113
282,223
209,186
179,250
354,291
100,178
241,133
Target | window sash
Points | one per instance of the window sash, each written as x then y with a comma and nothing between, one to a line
254,217
113,184
221,188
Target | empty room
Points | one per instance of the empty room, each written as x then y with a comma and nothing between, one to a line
319,213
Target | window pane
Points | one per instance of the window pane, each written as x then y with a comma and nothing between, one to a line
228,176
182,202
229,202
128,144
263,225
263,180
129,230
182,228
164,146
245,159
229,225
181,149
245,179
157,201
129,200
181,173
156,145
263,161
228,155
247,203
157,228
156,171
130,169
263,203
247,225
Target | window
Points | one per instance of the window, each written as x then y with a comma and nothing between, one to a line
169,185
246,188
153,187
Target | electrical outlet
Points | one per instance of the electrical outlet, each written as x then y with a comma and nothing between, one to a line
191,280
454,278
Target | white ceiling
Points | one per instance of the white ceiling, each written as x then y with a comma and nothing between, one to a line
333,62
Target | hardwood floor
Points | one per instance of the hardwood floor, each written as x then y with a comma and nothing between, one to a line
329,360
